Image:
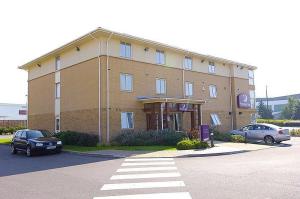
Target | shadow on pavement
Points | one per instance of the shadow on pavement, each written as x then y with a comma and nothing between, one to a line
20,164
273,145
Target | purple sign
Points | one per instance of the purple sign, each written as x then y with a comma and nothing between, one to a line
204,132
243,100
183,107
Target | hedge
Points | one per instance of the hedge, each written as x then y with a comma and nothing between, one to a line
147,138
9,130
227,137
187,144
295,132
282,123
77,139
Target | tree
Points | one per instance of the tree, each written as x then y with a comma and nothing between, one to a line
291,111
297,111
264,112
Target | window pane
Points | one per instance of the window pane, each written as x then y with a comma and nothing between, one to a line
162,58
122,81
128,51
57,63
128,82
157,57
57,90
122,49
130,120
163,86
191,89
123,121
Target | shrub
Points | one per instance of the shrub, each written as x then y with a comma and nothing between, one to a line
78,139
9,130
226,137
187,144
237,138
295,132
282,123
146,138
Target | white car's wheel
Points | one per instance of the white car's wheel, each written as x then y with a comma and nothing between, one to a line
269,139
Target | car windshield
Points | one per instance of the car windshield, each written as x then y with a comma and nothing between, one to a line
38,134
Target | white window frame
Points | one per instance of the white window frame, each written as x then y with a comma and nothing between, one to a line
57,63
215,119
126,87
125,50
126,126
187,63
188,89
213,91
252,99
158,57
57,90
158,86
251,77
211,67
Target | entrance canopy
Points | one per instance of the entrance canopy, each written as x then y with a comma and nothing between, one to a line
162,113
147,100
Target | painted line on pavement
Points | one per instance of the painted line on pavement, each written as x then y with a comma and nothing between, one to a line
147,169
176,195
147,163
149,175
147,159
143,185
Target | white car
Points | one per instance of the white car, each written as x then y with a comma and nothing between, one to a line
269,133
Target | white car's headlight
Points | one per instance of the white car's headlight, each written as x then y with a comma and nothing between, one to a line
39,144
59,142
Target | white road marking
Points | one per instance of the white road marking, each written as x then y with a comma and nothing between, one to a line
147,169
148,159
176,195
143,185
147,163
149,175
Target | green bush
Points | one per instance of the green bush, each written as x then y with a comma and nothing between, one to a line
295,132
282,123
237,138
187,144
146,138
10,130
78,139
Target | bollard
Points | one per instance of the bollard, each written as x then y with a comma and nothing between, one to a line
211,135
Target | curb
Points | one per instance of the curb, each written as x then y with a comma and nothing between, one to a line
214,154
93,154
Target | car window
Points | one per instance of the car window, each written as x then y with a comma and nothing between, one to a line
35,134
268,128
17,135
247,128
23,135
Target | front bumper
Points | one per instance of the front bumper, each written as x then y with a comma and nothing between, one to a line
45,149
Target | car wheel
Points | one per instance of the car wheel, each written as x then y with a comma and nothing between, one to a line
13,149
269,140
28,151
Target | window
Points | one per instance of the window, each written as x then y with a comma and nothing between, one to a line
212,91
187,63
211,67
188,89
126,82
57,90
160,86
215,119
160,57
125,50
23,135
279,107
127,120
251,77
57,63
252,98
57,124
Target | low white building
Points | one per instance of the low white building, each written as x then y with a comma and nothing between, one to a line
13,111
276,104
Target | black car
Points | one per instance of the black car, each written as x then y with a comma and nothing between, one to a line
32,141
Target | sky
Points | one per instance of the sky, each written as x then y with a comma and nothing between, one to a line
258,32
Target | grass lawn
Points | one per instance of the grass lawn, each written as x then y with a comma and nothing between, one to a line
126,148
5,140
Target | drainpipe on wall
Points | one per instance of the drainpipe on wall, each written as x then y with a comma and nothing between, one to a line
231,103
107,91
99,88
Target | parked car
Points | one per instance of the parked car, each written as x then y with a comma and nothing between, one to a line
269,133
33,141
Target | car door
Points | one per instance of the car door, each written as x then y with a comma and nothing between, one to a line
16,139
261,132
23,140
249,131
